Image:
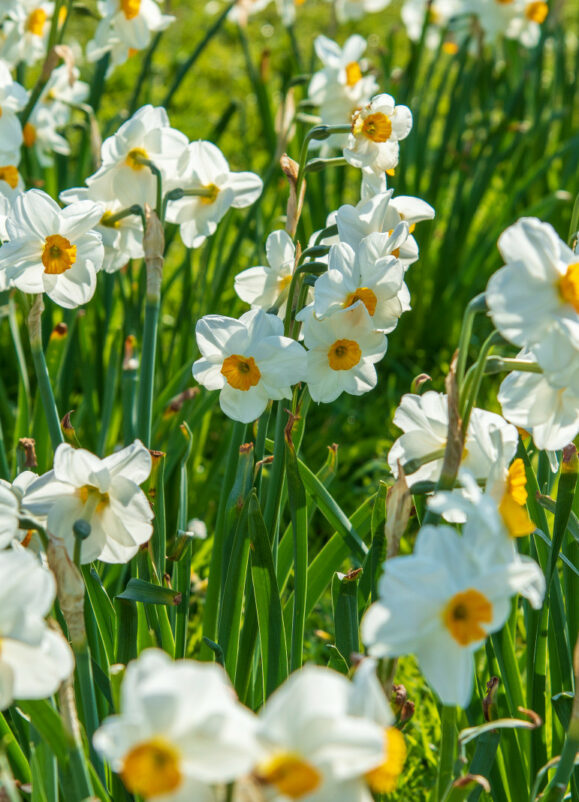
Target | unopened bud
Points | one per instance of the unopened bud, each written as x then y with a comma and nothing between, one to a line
570,460
399,697
27,445
408,710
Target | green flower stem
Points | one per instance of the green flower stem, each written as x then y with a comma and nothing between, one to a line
475,306
44,385
183,566
498,364
320,132
467,404
86,687
132,210
448,751
557,787
216,566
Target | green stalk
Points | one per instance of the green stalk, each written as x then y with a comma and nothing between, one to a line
467,404
183,567
478,304
44,385
448,751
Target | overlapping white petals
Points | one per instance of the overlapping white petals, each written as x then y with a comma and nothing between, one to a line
376,130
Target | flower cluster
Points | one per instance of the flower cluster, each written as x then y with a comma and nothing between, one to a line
181,734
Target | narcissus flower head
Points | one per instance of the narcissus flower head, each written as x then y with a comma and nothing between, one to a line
372,275
180,730
376,131
342,351
248,360
317,742
103,492
203,167
441,602
52,250
267,285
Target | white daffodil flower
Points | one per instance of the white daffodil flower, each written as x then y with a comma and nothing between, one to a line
371,275
127,26
146,136
383,213
203,167
41,133
342,351
52,250
13,98
424,421
25,32
341,86
376,130
545,404
347,10
441,602
534,299
34,659
103,492
180,730
123,239
316,747
440,14
264,285
248,360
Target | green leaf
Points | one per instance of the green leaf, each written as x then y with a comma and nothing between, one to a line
470,733
139,590
267,601
49,724
345,606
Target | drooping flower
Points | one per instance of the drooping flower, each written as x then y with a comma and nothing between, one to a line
342,351
52,250
441,602
202,167
34,658
248,360
265,286
123,175
127,27
371,275
103,492
424,421
315,745
180,730
376,130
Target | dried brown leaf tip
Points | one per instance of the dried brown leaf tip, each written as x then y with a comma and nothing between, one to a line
294,205
28,446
